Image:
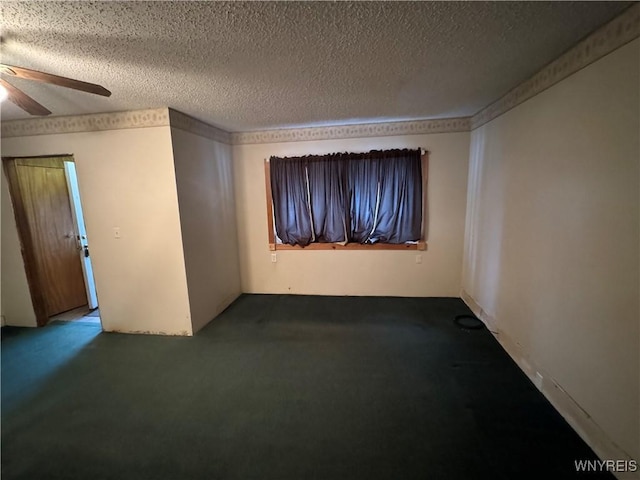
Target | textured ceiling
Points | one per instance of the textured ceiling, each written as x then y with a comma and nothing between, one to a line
246,66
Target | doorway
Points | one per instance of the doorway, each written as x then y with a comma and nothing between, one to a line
55,246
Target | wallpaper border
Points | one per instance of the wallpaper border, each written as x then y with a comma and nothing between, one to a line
156,117
615,34
187,123
413,127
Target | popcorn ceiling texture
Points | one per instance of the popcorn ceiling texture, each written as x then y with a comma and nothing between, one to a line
247,66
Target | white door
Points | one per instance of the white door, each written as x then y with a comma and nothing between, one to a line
83,244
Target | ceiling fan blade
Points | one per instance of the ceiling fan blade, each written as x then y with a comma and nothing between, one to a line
22,100
54,79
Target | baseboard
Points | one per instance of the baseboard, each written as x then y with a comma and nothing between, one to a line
182,333
579,419
13,323
477,310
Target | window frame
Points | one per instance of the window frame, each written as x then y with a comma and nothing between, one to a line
421,245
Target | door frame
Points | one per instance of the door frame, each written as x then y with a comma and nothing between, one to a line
77,214
34,280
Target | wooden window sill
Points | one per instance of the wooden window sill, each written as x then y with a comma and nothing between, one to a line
350,246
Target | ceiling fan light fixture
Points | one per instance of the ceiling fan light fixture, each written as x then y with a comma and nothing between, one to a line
28,104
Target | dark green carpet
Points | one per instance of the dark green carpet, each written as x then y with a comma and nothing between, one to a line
280,387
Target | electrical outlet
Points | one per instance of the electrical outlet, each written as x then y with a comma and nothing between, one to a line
274,259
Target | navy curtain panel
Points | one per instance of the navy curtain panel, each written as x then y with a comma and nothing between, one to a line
364,198
290,200
400,200
363,177
327,199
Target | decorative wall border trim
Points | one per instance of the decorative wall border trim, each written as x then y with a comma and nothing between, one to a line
618,32
189,124
160,117
413,127
157,117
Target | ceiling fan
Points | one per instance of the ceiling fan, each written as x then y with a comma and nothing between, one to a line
28,104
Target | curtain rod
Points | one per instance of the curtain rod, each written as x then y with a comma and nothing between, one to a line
423,151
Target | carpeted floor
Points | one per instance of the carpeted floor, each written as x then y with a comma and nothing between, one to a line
280,387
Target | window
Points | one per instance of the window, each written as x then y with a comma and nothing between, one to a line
346,200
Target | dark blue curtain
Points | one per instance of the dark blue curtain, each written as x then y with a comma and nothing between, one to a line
362,190
326,187
290,201
365,198
400,200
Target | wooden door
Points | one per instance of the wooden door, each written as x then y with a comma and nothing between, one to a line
44,198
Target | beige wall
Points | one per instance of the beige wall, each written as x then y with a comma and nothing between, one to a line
126,180
17,308
204,175
552,241
393,273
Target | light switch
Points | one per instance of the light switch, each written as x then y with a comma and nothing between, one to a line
274,259
418,258
116,232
